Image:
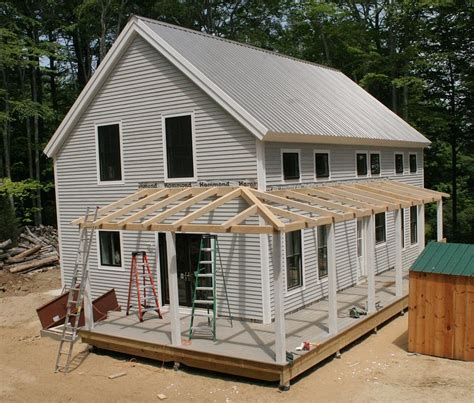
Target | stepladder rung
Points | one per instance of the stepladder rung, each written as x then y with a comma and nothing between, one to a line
204,288
204,314
204,301
207,249
205,262
204,275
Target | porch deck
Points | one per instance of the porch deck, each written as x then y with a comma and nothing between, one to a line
247,348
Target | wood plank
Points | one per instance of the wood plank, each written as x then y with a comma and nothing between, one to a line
252,229
448,343
413,196
367,202
419,190
429,322
242,216
469,321
206,209
439,332
263,210
382,195
390,202
460,302
420,317
310,222
412,310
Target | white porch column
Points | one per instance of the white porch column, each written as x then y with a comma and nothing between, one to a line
421,227
332,280
173,289
439,220
398,254
87,303
371,264
280,334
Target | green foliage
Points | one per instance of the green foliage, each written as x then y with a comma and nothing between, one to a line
8,220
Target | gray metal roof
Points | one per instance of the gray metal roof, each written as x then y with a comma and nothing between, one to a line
287,95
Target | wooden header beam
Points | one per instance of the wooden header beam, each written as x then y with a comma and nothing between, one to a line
281,210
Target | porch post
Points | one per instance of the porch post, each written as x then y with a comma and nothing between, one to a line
398,254
439,220
371,264
173,289
332,281
88,310
280,341
421,227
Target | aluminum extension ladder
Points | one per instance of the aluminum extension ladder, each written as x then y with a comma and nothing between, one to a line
204,292
76,296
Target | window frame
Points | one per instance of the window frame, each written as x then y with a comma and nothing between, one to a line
97,157
370,163
416,208
165,116
384,242
403,227
301,287
416,163
395,162
101,267
324,278
328,152
290,151
366,163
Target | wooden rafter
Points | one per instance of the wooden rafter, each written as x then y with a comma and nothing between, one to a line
282,210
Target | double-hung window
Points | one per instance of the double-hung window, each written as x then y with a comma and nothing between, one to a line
291,165
321,163
380,228
294,261
374,163
322,251
399,163
402,216
361,164
110,249
109,153
179,147
413,224
413,163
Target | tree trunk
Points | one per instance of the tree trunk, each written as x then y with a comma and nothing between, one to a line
6,130
454,180
34,96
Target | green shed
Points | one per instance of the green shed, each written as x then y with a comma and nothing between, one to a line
441,302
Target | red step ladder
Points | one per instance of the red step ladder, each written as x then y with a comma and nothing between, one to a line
147,297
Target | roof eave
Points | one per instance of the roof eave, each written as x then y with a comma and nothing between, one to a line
342,140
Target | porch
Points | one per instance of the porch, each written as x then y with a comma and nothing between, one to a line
246,348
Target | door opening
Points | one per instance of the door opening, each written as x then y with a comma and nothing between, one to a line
361,250
187,256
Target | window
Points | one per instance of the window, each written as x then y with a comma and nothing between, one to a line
322,251
321,162
110,250
294,269
291,165
361,162
413,164
375,164
398,163
179,147
402,217
413,224
380,231
109,155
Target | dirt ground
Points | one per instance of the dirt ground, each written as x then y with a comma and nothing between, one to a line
376,369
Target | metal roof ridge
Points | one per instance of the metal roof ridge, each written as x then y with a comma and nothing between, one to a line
233,42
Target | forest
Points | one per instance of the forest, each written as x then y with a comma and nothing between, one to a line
414,56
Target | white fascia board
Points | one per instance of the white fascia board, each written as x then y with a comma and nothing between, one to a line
344,140
203,82
91,88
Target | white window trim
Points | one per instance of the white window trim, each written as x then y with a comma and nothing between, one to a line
325,278
328,152
302,287
409,167
384,243
290,150
403,228
165,156
367,163
415,244
97,159
110,268
394,163
369,171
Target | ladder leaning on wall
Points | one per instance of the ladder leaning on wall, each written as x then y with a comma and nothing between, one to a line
205,286
75,298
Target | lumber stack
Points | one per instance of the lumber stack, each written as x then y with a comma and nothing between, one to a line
36,248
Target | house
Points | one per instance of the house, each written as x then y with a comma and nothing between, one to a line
441,302
175,108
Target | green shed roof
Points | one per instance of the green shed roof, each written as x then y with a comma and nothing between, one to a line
456,259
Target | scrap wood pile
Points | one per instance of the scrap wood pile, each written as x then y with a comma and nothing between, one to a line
36,248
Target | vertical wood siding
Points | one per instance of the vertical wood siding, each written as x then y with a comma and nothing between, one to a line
142,87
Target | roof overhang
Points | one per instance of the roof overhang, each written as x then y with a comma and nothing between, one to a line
194,209
343,140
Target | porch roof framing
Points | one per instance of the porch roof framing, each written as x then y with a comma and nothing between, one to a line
284,210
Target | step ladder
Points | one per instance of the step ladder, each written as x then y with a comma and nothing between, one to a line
76,296
145,290
204,293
